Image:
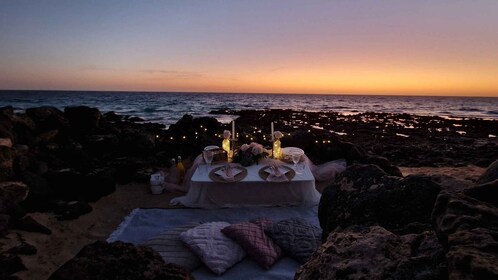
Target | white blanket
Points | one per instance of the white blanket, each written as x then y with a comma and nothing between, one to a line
142,224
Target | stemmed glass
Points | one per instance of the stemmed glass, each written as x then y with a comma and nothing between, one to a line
296,157
208,157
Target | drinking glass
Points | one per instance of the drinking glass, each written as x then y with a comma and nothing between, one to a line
208,157
296,157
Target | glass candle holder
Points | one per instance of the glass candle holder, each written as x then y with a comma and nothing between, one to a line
277,150
225,145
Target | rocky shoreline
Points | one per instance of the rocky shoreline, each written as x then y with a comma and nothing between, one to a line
60,161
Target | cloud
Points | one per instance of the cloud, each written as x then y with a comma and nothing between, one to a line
93,67
276,69
175,73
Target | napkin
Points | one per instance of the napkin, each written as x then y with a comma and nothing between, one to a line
228,173
276,174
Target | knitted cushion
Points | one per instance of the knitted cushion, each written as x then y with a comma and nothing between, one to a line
172,249
296,237
215,250
252,238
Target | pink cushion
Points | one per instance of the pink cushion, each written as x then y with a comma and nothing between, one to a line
252,238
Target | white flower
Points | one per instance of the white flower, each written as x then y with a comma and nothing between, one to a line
244,147
227,134
277,134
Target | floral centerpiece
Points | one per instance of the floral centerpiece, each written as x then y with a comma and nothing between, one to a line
247,155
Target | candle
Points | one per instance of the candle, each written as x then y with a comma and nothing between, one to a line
233,130
272,132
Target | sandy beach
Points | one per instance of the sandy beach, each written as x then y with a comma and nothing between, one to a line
68,237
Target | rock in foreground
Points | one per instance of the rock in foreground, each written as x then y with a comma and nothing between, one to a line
469,230
118,260
375,253
366,195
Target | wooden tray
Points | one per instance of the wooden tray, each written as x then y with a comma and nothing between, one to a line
264,175
217,178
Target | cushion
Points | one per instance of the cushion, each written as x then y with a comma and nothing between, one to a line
215,250
172,249
298,238
252,238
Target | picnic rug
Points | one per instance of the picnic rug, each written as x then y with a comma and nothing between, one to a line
143,223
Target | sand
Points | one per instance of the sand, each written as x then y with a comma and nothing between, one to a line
68,237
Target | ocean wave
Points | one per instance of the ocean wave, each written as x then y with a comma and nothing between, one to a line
469,109
168,108
149,109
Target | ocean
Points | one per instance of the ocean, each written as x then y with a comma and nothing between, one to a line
168,107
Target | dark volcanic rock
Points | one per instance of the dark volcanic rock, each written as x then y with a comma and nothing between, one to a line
375,253
384,164
10,264
47,118
71,210
469,230
99,183
27,223
490,174
11,193
69,184
6,127
405,140
366,195
6,159
4,224
118,260
82,118
137,142
487,192
39,192
22,249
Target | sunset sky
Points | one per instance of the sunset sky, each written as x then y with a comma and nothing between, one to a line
432,47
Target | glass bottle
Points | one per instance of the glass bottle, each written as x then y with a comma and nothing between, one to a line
277,150
181,170
173,172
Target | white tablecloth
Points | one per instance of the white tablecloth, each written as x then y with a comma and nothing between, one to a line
251,191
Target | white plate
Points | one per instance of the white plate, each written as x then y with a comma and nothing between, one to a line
209,148
291,150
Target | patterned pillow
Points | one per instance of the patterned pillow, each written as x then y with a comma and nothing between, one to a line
215,250
296,237
172,249
252,238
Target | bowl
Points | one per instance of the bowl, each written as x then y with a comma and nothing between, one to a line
288,151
